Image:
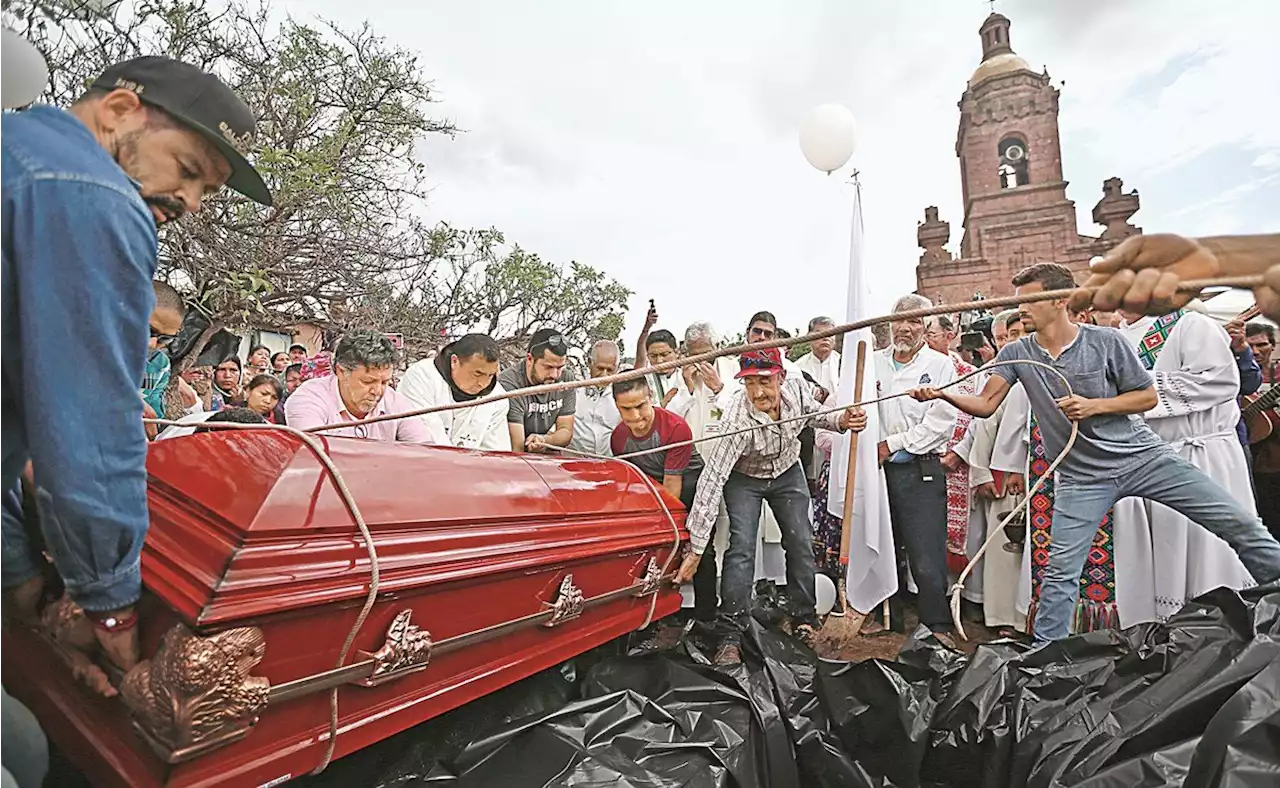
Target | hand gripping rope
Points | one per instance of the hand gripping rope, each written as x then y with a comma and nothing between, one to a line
349,501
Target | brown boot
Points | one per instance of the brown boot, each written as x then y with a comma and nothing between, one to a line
728,655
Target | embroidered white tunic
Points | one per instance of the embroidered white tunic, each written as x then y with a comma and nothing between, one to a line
1162,558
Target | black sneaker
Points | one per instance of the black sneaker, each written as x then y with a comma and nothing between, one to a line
644,642
837,609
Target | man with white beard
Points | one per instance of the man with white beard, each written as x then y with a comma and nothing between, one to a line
1163,558
912,441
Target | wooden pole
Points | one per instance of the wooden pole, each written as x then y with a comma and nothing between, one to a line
839,633
847,520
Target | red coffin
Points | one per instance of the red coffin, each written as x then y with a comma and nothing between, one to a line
492,566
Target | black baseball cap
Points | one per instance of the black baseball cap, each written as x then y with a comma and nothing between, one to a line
200,101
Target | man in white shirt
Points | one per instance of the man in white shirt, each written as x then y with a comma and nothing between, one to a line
822,362
700,384
660,347
822,365
913,439
597,414
462,371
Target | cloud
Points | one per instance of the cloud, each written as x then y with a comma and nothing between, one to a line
658,141
1268,160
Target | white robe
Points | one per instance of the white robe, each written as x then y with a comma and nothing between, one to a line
970,448
1162,558
1014,445
1002,570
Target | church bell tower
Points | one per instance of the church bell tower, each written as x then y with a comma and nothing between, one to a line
1010,156
1016,210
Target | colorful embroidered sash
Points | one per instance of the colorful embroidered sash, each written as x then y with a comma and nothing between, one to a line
1097,606
958,483
1153,341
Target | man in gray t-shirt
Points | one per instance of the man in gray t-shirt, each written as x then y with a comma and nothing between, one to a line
1100,365
1115,454
538,422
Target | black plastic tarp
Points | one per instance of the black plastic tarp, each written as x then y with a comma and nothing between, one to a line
1194,702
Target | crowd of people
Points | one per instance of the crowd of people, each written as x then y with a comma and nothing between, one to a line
953,464
1147,508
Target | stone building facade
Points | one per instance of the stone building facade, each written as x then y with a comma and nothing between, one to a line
1016,210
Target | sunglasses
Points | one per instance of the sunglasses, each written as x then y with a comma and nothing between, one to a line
750,362
555,343
767,333
162,340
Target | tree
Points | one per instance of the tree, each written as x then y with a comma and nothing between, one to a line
472,281
341,113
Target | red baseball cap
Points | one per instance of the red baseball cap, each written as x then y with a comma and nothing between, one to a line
763,363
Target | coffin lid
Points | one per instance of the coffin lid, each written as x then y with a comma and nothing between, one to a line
246,522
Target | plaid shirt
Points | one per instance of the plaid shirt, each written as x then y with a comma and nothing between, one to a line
763,453
155,379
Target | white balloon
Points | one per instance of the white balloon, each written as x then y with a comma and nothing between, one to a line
828,137
825,592
23,72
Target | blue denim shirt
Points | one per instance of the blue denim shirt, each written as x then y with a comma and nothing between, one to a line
1250,381
79,249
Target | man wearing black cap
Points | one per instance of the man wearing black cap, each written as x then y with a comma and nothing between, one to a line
84,190
538,422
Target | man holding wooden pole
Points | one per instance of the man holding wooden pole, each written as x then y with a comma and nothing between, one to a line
750,468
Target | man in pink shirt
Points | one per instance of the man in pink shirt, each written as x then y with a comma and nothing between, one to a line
359,388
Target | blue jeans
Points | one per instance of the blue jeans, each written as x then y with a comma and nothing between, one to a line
1080,504
788,497
26,751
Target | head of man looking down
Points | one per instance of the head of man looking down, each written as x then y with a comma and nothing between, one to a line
540,422
84,190
359,388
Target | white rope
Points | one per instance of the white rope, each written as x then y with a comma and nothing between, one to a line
349,500
1190,286
314,443
959,585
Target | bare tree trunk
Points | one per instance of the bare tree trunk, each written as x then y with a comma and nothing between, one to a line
174,407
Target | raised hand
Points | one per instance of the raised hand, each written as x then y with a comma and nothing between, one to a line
1143,273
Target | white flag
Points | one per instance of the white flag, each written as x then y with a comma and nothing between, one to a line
873,573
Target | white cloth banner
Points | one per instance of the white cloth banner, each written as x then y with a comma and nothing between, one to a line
873,575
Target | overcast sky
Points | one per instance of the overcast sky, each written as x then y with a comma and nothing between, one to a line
657,140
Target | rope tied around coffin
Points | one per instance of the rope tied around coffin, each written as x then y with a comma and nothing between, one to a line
317,448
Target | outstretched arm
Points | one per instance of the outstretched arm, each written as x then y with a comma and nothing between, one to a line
981,405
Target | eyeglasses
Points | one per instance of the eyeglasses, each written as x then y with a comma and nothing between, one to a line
162,340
